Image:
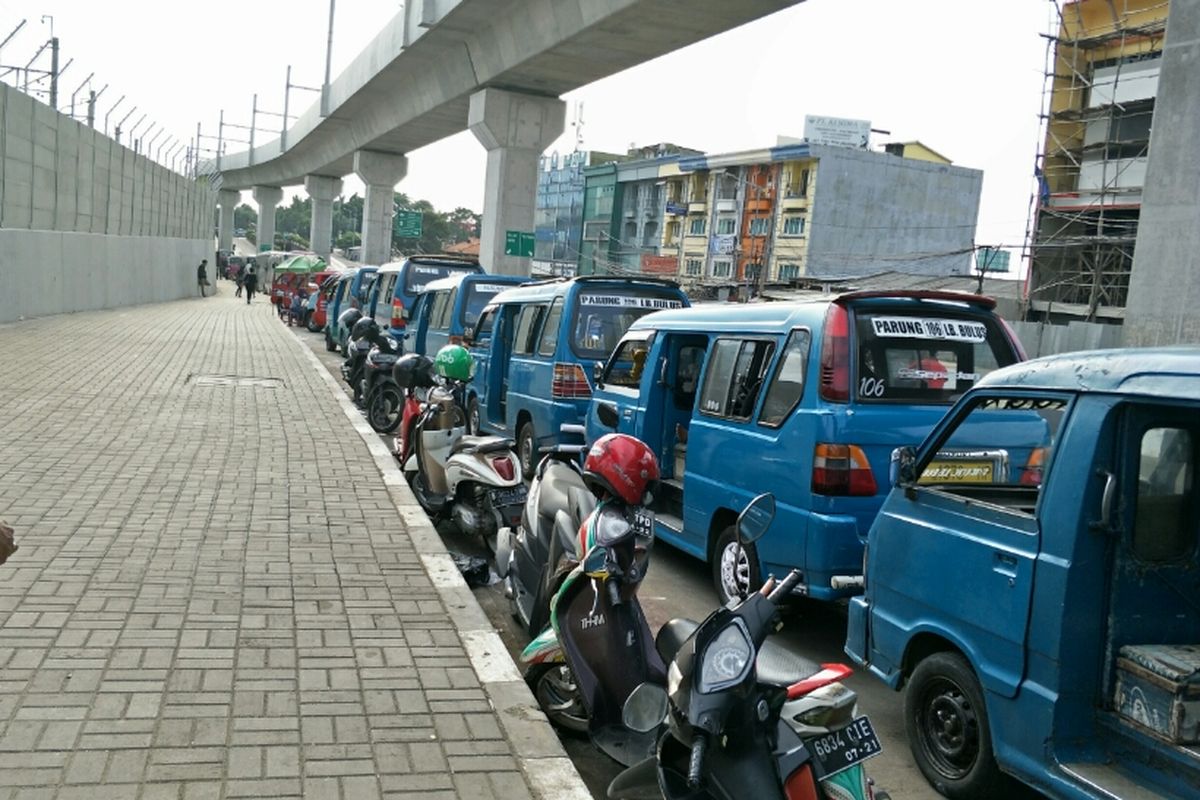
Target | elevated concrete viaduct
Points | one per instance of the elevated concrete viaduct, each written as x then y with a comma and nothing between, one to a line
498,68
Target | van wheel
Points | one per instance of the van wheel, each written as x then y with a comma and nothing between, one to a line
947,726
735,570
308,322
473,417
527,450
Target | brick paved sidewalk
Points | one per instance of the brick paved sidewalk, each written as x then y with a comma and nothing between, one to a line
217,594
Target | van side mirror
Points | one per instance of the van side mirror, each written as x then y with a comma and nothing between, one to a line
598,374
607,414
903,466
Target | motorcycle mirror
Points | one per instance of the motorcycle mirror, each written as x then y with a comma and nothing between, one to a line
756,518
645,709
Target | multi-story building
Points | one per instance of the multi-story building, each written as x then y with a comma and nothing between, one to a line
1102,85
558,215
625,210
801,210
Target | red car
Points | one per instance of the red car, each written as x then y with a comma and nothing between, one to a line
315,319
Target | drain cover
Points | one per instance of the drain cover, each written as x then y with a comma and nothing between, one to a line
253,381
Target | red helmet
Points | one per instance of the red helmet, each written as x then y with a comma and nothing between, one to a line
621,465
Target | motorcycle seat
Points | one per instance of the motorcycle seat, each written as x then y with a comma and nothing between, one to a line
481,444
775,666
558,481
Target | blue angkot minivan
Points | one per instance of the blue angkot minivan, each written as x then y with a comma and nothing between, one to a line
806,400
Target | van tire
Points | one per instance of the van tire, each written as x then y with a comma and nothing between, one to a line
473,421
725,574
308,322
527,449
945,717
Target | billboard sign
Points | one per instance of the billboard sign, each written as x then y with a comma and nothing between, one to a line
676,208
837,131
722,244
991,259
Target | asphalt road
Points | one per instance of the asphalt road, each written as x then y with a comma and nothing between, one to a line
678,585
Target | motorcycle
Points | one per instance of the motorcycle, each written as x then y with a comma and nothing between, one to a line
534,558
358,346
472,480
599,648
383,398
739,718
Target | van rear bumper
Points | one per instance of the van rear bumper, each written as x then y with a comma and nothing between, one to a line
833,548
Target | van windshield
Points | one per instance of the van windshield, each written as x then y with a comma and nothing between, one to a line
602,316
478,296
926,357
416,276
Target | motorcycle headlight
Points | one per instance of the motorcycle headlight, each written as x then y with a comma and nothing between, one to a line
727,658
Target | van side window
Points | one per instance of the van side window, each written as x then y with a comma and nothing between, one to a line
527,329
439,315
787,386
483,329
628,362
735,376
549,342
1164,526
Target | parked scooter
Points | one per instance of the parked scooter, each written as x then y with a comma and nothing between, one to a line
383,398
472,480
414,374
744,719
599,647
357,349
534,559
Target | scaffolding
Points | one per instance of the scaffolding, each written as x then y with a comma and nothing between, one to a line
1098,102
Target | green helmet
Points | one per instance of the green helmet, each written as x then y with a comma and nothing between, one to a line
454,362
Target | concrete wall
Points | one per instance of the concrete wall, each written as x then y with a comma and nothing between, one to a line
872,212
1040,339
86,223
1164,285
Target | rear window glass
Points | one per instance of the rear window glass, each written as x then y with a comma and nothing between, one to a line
602,316
926,358
416,276
478,296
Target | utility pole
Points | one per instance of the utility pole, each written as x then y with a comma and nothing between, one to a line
328,63
82,83
114,108
54,72
93,96
117,128
220,137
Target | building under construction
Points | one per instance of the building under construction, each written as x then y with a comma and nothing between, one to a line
1100,90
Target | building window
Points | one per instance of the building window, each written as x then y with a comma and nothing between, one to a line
696,226
793,226
722,268
759,226
797,182
788,272
672,232
725,225
650,234
726,187
694,266
630,234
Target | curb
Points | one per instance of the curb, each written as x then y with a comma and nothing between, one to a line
535,745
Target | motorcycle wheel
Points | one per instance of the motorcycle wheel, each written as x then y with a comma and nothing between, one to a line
385,405
308,322
558,696
419,491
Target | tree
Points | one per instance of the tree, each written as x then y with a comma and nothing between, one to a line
244,216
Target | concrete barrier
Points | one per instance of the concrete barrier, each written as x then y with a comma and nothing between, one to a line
86,223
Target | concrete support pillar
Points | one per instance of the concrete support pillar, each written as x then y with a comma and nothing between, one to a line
515,129
380,172
268,198
322,189
1164,285
227,199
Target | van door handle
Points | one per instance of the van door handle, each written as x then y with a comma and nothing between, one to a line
628,413
1005,564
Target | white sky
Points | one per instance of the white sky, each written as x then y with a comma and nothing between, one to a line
963,76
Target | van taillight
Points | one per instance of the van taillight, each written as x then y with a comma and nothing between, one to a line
1032,474
835,355
841,470
569,382
398,313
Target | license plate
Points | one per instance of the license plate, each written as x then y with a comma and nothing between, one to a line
643,522
509,497
959,471
844,748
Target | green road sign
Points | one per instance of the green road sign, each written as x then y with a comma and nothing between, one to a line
407,225
518,243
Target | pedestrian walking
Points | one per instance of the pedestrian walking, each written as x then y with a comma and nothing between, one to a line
239,279
202,275
250,283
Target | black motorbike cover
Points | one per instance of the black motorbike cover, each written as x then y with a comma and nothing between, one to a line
611,651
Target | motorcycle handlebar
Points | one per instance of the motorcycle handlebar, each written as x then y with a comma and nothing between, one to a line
696,761
785,587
